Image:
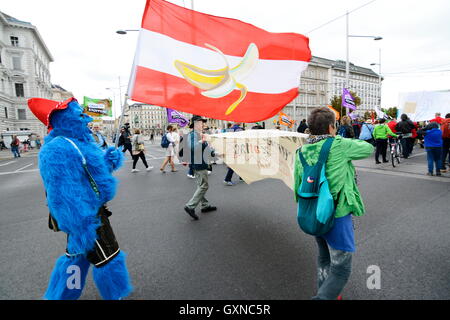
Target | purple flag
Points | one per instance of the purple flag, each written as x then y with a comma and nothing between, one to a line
352,116
347,100
174,116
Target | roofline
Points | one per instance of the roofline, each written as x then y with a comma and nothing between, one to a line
3,18
32,27
362,70
43,44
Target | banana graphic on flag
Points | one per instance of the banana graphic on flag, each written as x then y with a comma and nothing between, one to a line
219,83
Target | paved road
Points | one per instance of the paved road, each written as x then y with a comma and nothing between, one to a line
251,248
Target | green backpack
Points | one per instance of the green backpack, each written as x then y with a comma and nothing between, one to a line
316,207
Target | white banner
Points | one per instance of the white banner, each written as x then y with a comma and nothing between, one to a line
422,106
260,154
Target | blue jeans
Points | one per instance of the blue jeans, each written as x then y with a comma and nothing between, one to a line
333,271
434,158
229,175
15,151
445,151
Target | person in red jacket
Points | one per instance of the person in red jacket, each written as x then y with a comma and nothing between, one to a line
445,127
391,124
437,118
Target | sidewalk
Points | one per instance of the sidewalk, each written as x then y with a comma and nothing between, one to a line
7,154
415,166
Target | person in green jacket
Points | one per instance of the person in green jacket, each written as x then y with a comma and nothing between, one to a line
338,244
381,133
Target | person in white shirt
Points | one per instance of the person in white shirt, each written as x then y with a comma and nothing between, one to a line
170,151
176,138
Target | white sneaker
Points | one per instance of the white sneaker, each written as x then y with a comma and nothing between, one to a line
149,168
135,170
209,172
191,177
228,183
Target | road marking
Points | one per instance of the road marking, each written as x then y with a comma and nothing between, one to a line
13,172
405,174
24,167
5,164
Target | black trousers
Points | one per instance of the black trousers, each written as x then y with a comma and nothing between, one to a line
381,149
136,158
407,146
445,151
127,146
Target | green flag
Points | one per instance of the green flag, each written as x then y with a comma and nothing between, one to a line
98,107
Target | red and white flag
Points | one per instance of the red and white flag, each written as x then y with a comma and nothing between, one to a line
215,67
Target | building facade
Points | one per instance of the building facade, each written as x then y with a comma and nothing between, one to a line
148,118
325,78
60,94
24,73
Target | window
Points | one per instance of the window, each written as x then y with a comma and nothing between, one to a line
19,90
14,41
17,63
6,112
21,115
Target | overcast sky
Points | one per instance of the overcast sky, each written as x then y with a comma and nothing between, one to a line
90,56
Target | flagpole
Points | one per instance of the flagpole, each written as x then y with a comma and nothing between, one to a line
295,112
120,121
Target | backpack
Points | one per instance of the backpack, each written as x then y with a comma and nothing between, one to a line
14,143
316,207
342,131
445,127
164,141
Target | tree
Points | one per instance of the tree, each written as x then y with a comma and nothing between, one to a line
336,103
391,112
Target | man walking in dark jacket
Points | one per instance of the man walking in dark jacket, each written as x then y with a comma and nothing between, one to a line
405,127
125,139
302,127
196,148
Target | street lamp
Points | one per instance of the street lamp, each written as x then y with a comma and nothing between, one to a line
113,90
379,73
347,63
125,31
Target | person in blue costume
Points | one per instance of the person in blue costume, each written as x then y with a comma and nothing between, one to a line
78,182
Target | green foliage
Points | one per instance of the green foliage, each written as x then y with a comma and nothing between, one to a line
336,103
392,112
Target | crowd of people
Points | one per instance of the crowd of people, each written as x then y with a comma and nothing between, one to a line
378,132
346,141
18,146
432,135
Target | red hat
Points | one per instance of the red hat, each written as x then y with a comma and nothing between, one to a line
43,108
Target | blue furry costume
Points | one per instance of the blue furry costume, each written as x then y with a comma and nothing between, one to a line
76,203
